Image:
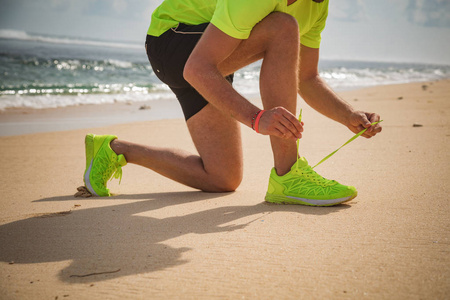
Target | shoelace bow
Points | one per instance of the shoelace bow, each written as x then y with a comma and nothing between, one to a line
112,164
118,173
117,164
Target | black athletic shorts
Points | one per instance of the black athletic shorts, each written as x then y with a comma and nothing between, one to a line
168,54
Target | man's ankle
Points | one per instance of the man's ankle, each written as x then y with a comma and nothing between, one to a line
282,170
116,146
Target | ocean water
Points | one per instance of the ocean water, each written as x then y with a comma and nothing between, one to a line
45,71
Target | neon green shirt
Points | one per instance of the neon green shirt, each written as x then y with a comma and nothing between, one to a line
238,17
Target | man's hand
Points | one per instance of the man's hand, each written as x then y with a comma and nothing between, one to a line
360,120
281,123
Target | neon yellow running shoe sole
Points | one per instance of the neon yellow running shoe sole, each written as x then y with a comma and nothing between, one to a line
282,199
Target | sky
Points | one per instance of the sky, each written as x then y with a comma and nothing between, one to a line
371,30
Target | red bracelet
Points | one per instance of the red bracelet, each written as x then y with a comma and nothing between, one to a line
258,117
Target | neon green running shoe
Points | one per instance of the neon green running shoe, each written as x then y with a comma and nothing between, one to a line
302,185
102,163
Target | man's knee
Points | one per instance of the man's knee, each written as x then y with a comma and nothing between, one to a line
283,23
223,184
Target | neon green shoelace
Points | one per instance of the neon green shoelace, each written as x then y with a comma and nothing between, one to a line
118,173
334,152
113,170
121,161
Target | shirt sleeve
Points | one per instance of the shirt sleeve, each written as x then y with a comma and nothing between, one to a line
238,17
313,37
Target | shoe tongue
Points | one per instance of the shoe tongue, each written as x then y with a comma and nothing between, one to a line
301,163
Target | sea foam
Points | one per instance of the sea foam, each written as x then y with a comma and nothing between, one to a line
41,72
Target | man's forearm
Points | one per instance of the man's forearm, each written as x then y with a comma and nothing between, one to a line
320,97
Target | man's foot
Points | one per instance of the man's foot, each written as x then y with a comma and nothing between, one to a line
101,163
302,185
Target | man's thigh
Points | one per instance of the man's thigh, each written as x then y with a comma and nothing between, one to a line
261,38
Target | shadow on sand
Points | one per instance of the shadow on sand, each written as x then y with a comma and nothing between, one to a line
107,239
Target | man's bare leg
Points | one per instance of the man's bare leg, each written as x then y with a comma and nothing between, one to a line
275,40
217,168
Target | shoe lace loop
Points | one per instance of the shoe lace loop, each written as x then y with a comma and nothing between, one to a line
113,169
118,173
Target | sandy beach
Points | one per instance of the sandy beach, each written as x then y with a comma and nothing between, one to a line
157,239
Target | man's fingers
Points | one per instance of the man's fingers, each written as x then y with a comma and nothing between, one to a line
286,133
374,117
282,132
365,121
372,131
294,121
285,123
292,125
375,129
